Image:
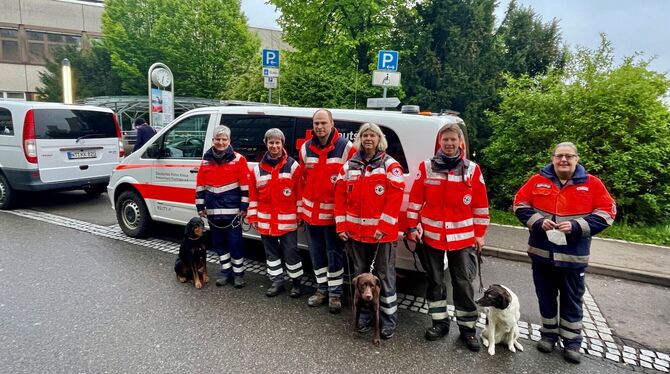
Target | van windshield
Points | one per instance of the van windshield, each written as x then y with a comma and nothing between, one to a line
73,124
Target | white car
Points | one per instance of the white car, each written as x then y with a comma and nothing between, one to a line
157,182
53,146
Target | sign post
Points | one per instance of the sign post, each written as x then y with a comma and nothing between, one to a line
270,67
161,99
386,74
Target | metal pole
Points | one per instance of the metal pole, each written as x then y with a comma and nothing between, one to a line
270,96
384,96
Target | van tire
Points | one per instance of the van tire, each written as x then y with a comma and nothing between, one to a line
7,194
132,214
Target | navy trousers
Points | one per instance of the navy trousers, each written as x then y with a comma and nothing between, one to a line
327,253
278,248
227,243
564,286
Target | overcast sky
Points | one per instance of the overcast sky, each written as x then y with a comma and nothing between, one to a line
631,26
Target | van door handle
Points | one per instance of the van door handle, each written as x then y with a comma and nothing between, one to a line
193,171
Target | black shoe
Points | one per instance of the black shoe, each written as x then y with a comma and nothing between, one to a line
471,341
437,332
386,334
545,345
334,305
223,281
296,292
572,354
363,329
274,290
239,282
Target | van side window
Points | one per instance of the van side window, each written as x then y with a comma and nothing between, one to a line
184,140
349,131
247,132
6,125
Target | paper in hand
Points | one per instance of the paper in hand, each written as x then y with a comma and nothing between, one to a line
557,237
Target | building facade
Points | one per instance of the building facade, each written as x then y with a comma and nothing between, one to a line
31,29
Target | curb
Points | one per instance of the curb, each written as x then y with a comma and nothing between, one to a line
600,269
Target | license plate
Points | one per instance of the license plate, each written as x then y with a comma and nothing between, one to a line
81,154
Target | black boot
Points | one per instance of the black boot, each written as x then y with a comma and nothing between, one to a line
439,330
296,291
275,289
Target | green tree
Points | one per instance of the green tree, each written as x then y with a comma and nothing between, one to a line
335,45
612,113
92,74
205,43
527,44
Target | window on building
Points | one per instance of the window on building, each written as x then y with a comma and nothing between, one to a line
6,125
42,45
9,45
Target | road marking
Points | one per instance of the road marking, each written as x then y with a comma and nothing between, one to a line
598,337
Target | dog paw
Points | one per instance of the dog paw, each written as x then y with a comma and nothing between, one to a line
376,342
518,346
485,341
206,278
198,285
511,348
182,279
492,350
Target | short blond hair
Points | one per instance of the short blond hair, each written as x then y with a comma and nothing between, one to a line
383,144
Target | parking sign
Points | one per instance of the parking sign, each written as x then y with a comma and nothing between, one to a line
387,60
271,58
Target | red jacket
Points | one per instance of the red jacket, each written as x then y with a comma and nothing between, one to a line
452,206
275,196
320,167
368,198
222,186
583,201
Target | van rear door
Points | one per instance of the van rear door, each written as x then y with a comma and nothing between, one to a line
74,144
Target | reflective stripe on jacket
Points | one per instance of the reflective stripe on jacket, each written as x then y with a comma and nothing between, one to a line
320,167
452,207
275,196
583,200
368,198
222,188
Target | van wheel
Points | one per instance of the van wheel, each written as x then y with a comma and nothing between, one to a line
7,194
95,190
132,214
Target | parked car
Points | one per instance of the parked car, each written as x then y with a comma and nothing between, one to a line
157,182
52,146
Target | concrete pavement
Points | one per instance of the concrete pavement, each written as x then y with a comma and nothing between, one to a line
616,258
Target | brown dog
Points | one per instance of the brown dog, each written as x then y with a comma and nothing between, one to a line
367,290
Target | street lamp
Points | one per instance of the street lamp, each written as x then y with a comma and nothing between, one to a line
67,81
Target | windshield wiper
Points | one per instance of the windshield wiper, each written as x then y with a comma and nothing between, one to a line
88,136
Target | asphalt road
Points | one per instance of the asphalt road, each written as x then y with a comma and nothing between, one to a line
75,302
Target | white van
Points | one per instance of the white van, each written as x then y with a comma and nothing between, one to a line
52,146
158,181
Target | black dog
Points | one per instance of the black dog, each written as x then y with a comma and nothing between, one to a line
366,293
192,260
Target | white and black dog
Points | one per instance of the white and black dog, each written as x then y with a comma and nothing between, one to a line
503,315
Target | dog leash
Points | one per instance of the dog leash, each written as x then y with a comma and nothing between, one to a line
236,222
372,265
479,270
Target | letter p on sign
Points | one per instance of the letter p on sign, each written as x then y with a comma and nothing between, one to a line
387,60
271,58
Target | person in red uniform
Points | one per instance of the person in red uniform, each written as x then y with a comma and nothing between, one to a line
222,196
273,210
321,158
448,215
563,207
368,195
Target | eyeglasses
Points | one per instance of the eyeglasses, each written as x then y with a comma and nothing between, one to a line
567,156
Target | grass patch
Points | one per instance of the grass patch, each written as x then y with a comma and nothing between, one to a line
659,234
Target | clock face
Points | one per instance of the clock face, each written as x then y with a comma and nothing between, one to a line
161,77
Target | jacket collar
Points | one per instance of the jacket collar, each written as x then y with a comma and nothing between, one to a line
269,164
228,155
580,176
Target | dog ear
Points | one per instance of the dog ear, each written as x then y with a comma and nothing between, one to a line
355,280
378,283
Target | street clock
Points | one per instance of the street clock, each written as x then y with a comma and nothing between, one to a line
161,77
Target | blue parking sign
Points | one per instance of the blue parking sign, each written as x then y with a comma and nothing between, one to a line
387,60
271,58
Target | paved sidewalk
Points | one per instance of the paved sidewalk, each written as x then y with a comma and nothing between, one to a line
640,262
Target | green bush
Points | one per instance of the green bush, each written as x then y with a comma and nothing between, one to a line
615,116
